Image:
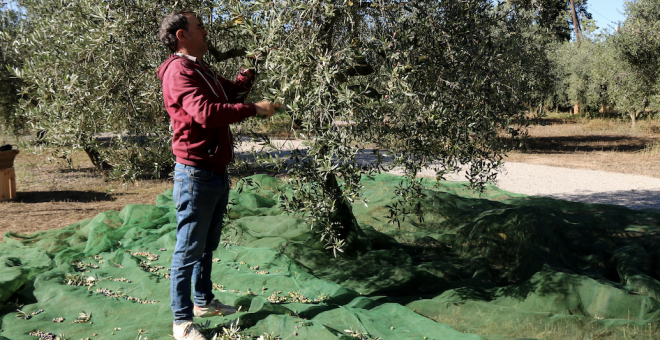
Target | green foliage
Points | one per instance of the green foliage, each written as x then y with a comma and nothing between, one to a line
617,69
585,73
538,33
90,69
554,16
639,39
427,82
638,44
10,25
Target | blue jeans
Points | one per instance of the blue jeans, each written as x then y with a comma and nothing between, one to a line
201,201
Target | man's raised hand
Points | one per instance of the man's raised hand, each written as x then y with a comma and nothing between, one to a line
266,109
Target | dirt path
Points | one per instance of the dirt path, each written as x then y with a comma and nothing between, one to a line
581,185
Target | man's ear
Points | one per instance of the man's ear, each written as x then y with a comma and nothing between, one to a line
181,35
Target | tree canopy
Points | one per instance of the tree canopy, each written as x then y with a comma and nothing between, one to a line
615,69
555,16
638,45
429,82
425,82
89,70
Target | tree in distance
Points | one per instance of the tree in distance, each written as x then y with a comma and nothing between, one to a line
9,58
638,45
615,69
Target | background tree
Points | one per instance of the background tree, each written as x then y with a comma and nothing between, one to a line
89,70
552,23
638,45
10,58
555,16
612,69
585,74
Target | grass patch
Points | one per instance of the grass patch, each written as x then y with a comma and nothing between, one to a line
605,144
651,149
562,122
531,327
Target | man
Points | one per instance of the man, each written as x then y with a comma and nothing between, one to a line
201,106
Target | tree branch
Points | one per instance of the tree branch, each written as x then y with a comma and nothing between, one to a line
367,92
222,56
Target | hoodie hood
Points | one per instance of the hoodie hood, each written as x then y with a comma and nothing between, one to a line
163,67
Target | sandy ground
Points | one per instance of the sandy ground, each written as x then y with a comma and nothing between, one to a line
579,185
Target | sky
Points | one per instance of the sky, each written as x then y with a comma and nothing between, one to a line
607,13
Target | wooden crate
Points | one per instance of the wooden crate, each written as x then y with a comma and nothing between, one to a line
7,184
7,158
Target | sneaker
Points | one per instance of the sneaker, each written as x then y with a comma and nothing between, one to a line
213,308
187,331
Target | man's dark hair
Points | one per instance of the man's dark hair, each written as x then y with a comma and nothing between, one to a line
171,24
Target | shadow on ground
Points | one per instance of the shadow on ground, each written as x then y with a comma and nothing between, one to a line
562,144
90,170
633,199
62,196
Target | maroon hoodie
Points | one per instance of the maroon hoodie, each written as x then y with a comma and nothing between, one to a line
201,106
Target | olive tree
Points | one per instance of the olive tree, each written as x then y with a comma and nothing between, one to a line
552,22
431,83
555,16
426,83
9,58
586,75
638,45
88,72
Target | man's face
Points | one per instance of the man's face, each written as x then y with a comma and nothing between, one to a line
195,36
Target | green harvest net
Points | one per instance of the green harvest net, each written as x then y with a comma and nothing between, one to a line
496,264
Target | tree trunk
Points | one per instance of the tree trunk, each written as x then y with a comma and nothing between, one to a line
576,109
349,231
635,114
96,159
41,136
575,23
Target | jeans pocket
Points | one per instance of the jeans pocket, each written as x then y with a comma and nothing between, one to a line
176,192
201,174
